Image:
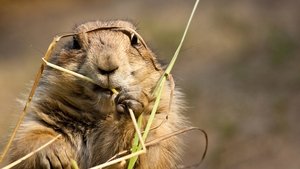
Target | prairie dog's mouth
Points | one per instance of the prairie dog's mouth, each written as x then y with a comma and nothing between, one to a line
105,99
105,91
99,89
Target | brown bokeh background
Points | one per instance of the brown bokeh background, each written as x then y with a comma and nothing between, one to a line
239,68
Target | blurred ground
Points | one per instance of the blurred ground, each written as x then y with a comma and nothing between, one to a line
239,68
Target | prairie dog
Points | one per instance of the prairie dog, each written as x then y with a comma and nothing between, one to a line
95,125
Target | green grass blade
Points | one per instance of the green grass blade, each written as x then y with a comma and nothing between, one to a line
135,146
158,91
74,164
174,58
133,160
170,66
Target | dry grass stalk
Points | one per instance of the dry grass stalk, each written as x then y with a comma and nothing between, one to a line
31,153
120,159
167,136
35,84
68,71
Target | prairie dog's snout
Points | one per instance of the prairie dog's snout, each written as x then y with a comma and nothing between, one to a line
107,53
108,64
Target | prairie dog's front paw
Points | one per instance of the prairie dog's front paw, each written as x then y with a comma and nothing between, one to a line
137,101
57,155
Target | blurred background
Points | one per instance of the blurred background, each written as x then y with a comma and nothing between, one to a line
239,68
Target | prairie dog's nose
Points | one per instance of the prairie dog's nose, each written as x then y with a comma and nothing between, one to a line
107,70
108,64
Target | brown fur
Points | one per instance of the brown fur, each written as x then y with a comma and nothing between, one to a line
94,125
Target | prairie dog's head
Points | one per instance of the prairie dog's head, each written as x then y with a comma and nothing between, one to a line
114,57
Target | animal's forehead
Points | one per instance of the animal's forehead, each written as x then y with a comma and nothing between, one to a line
100,24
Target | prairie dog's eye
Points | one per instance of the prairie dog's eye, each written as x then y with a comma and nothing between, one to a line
135,40
75,44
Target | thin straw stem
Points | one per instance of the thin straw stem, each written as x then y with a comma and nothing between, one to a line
68,71
137,153
35,84
138,131
149,123
31,153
